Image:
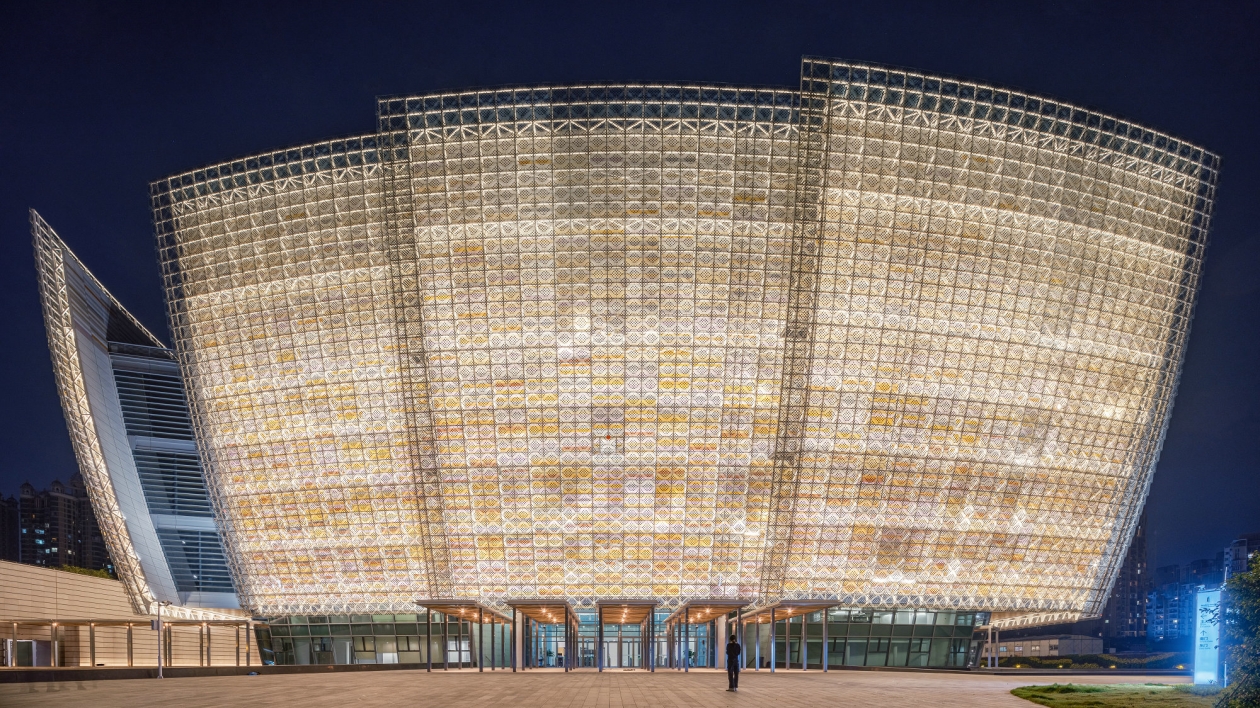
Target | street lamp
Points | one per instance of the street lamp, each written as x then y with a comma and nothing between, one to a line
160,605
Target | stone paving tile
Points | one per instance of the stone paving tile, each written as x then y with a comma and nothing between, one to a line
611,689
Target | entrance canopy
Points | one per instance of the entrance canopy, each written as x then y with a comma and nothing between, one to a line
470,610
784,609
545,611
705,610
624,611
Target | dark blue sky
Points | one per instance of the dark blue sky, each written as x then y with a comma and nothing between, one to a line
98,99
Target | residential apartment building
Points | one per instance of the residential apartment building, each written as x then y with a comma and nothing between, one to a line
1170,601
57,527
1124,616
10,530
1242,553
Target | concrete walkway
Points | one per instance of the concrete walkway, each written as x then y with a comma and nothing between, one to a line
611,689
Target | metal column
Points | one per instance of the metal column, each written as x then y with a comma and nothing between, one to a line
446,654
481,625
129,659
599,648
686,640
651,651
249,631
91,644
804,644
757,650
826,620
238,645
512,639
772,640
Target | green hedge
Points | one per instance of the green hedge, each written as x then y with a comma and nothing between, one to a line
84,571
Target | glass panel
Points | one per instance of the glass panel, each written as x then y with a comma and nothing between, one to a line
855,652
899,652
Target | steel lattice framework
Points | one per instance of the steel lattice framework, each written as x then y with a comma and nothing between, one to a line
78,313
893,339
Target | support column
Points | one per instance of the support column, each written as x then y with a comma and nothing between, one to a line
238,645
209,644
772,640
686,640
651,652
481,624
92,644
719,639
446,654
249,631
13,649
129,646
428,640
804,642
53,634
826,620
599,647
568,639
512,654
757,650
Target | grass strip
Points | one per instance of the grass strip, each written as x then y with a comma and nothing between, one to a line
1119,695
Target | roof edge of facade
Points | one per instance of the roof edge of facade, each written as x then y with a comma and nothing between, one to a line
49,232
1008,88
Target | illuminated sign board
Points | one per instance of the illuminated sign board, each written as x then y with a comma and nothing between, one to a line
1207,637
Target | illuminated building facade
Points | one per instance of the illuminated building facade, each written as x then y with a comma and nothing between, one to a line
891,340
123,398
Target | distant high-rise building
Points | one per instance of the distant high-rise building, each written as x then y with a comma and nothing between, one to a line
1204,571
1242,553
1124,616
10,531
1170,600
57,527
1169,612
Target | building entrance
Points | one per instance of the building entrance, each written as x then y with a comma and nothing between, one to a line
625,651
624,628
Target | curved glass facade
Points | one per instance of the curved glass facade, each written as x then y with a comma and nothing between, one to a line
893,340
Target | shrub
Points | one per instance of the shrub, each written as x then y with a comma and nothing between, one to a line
84,571
1242,640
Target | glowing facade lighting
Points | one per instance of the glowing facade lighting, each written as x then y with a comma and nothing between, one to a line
892,339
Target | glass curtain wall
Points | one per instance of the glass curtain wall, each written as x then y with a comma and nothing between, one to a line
385,639
866,637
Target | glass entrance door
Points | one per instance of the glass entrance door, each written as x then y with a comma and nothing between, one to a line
623,653
630,654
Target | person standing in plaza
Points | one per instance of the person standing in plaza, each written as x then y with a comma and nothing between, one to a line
732,664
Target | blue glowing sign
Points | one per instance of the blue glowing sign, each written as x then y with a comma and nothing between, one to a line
1207,637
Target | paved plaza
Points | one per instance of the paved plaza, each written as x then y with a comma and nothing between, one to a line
611,689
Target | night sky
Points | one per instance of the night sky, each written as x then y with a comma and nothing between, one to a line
97,100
